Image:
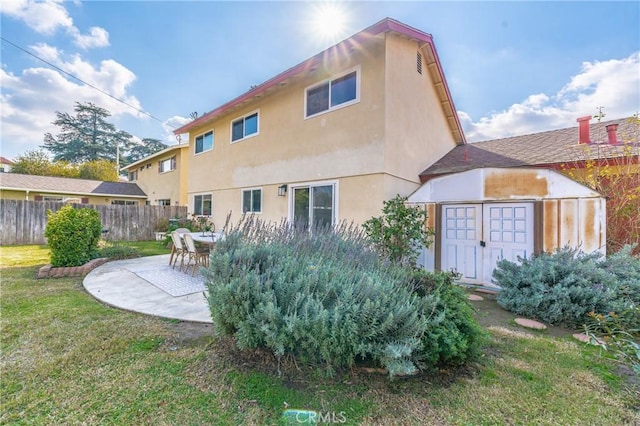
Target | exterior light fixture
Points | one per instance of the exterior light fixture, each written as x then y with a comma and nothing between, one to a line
282,190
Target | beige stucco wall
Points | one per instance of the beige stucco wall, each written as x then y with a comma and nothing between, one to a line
417,132
168,185
374,148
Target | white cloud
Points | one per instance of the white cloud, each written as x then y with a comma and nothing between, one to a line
44,17
97,37
612,84
172,123
29,100
49,16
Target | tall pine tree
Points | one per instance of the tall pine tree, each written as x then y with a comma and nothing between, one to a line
87,136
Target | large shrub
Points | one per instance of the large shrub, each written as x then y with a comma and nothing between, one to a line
564,286
457,336
72,235
323,297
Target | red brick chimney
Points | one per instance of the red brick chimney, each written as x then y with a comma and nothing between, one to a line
583,130
611,132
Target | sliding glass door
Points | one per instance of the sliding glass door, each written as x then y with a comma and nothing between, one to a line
313,206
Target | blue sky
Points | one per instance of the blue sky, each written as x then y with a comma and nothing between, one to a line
512,67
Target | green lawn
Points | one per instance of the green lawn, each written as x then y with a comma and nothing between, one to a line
67,359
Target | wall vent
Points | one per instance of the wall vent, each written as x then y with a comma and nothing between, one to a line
419,63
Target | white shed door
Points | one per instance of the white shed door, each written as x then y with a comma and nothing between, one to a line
476,236
461,236
508,234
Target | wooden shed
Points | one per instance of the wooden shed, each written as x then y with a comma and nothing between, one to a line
486,214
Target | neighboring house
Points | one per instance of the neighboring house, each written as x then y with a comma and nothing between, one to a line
14,186
613,142
162,176
507,198
5,165
329,139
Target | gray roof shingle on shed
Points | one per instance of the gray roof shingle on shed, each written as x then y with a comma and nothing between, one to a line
15,181
539,149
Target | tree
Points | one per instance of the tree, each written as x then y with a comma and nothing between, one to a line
86,137
145,148
34,162
614,171
98,170
37,162
400,232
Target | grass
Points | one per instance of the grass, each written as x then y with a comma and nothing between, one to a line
67,359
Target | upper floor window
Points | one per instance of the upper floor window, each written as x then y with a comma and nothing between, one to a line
331,94
204,142
133,176
167,165
244,127
252,201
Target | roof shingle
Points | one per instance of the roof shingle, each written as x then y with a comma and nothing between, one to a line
539,149
63,185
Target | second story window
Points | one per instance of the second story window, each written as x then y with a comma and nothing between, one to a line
244,127
204,142
331,94
133,176
167,165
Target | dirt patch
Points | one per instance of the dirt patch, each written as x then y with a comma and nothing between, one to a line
490,314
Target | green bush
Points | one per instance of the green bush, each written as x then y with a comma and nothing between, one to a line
323,297
563,287
118,250
73,234
456,337
400,232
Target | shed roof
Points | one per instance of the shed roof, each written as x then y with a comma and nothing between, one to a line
544,149
61,185
354,42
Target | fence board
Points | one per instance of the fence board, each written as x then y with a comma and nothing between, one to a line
24,222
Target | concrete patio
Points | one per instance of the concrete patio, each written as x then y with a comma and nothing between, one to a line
121,284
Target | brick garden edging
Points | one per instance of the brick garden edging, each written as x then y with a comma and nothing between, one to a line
47,271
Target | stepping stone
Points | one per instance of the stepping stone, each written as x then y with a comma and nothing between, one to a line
486,291
475,298
527,323
584,338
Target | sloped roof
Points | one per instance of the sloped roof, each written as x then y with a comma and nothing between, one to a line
61,185
4,160
554,147
356,41
154,155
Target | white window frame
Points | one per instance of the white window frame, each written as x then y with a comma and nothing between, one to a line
162,202
55,198
328,81
244,135
121,202
242,200
203,134
193,200
171,168
336,197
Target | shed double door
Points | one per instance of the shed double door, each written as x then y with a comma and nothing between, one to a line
476,236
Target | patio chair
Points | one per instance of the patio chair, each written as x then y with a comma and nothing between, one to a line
197,256
177,250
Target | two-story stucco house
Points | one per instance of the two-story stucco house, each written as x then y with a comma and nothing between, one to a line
329,139
162,176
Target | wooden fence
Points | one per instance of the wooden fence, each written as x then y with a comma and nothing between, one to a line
24,222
